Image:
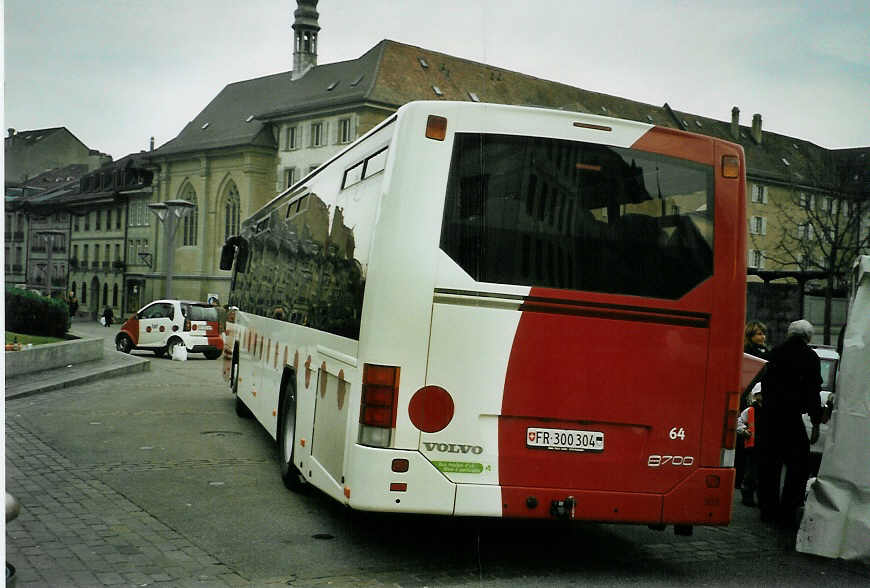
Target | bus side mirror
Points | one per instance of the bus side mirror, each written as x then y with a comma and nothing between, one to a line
236,248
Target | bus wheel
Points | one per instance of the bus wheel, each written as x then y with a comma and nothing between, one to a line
292,477
242,409
234,374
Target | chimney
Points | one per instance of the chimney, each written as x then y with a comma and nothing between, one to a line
756,128
11,132
152,144
305,29
735,123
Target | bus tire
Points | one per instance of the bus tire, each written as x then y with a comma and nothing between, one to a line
290,474
242,409
234,372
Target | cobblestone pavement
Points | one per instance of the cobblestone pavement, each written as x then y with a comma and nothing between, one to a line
95,512
74,530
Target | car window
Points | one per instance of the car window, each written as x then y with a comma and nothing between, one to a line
829,367
202,312
160,310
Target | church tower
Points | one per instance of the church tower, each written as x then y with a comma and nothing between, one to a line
305,30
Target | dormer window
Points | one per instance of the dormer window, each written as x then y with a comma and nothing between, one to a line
423,63
331,86
474,97
437,91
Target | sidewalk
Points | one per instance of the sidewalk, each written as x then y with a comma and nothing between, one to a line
112,364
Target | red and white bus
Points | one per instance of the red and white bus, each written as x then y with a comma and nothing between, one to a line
501,311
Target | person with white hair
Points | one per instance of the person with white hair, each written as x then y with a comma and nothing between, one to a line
790,386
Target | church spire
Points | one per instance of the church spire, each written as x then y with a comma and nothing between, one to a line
305,30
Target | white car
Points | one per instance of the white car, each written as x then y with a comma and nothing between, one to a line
163,324
829,359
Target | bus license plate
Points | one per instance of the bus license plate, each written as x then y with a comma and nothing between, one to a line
565,439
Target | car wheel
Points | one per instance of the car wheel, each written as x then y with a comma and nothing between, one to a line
211,354
290,474
123,343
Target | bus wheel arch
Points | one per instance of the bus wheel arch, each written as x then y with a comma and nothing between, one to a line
290,474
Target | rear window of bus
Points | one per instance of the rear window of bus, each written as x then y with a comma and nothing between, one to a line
580,216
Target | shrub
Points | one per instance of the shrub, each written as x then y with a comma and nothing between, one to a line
30,313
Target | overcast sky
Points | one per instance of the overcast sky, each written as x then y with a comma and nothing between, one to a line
116,72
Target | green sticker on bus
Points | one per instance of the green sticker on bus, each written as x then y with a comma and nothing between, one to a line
458,467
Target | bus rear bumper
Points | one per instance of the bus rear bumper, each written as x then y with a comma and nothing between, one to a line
372,484
704,498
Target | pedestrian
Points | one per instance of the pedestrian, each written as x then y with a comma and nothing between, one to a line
73,304
790,387
747,429
108,316
754,343
755,339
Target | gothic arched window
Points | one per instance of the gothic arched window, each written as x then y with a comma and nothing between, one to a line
191,219
231,211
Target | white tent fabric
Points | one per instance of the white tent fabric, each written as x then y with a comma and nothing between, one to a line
836,521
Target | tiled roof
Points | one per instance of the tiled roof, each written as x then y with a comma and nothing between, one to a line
394,73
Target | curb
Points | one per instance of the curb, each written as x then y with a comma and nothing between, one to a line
133,366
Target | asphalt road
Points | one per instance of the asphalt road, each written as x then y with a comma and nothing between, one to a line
152,479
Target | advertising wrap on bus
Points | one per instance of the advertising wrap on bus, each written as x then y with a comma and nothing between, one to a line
497,311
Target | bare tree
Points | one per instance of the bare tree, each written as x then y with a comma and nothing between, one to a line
824,224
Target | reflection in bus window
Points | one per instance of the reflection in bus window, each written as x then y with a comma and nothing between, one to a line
573,215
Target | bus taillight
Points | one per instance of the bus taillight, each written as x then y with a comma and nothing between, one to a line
377,416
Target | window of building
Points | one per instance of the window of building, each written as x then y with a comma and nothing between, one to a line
756,258
86,256
108,254
344,132
807,201
88,221
805,231
75,223
118,214
117,252
759,194
290,138
231,211
191,219
316,134
109,219
115,295
84,291
289,177
105,294
758,225
99,222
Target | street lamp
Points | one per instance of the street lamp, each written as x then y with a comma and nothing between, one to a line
49,236
169,213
